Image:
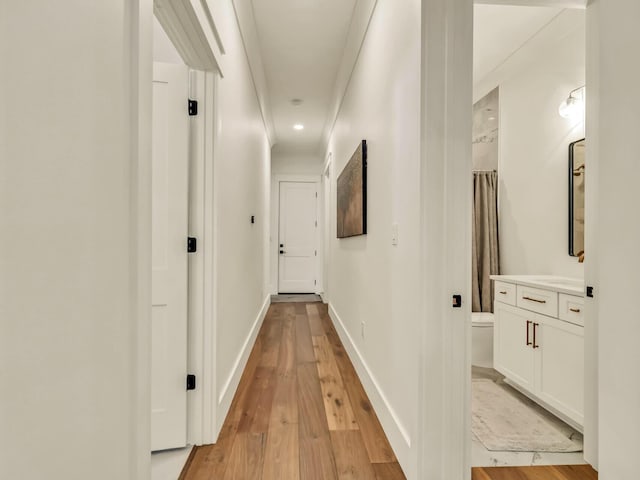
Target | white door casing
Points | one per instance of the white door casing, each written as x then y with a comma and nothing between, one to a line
326,181
169,257
297,238
444,431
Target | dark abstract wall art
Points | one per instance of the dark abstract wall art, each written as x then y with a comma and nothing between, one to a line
352,195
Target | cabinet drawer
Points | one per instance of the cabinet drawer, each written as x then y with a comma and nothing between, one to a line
537,300
505,292
571,309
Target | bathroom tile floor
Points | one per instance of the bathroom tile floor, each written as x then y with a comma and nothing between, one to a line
481,457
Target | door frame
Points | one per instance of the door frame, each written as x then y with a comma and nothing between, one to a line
444,418
140,83
201,404
275,227
327,188
204,60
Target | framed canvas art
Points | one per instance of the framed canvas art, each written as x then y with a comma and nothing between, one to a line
352,195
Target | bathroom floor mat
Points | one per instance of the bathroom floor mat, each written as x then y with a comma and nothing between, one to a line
503,422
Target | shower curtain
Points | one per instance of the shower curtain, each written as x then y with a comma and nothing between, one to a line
485,258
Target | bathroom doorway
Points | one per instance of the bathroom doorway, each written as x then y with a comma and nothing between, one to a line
526,61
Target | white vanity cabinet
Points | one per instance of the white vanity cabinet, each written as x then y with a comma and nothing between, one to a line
559,365
512,353
536,348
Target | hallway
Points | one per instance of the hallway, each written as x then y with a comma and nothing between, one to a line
285,90
300,411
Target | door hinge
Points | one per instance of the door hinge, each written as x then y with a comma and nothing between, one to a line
315,282
191,382
316,224
192,244
590,292
315,253
316,194
457,301
193,107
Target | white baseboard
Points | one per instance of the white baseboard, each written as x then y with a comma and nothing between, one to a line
231,385
396,433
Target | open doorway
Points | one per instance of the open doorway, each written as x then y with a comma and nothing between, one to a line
183,342
527,351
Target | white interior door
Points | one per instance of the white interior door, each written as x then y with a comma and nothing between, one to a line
298,237
169,257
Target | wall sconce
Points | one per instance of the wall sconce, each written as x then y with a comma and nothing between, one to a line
573,106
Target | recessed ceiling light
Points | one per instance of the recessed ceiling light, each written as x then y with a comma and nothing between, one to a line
298,126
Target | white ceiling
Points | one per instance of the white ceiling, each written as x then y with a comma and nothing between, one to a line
501,30
302,43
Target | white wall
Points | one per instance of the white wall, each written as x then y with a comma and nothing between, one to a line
485,132
290,163
74,321
370,280
614,101
534,140
242,186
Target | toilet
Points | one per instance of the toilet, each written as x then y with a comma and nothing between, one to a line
482,339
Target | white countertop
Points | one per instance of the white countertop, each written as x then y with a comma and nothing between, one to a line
570,286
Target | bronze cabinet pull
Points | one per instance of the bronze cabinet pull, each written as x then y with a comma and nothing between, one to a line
535,327
534,300
529,322
503,293
575,310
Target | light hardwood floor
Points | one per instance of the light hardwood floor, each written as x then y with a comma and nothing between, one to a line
568,472
300,412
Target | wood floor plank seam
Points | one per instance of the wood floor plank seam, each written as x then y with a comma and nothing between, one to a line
378,449
337,405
